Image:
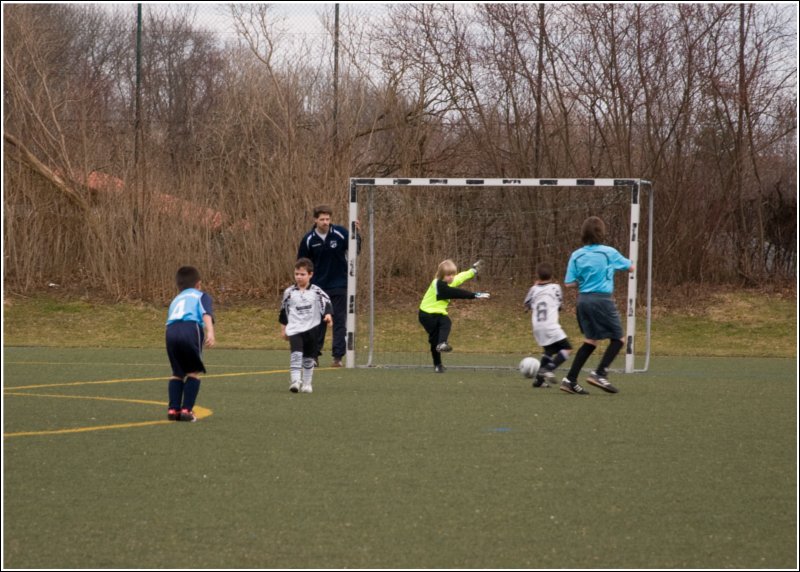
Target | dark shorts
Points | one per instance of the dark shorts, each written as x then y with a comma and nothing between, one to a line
185,348
598,317
437,325
306,342
553,349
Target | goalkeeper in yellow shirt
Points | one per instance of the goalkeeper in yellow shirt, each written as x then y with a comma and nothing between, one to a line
433,308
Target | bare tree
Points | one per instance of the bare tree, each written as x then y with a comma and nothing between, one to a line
239,140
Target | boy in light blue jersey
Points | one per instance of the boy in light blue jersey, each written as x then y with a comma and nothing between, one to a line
190,325
591,268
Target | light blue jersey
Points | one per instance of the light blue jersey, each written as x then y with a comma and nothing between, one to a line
593,267
189,306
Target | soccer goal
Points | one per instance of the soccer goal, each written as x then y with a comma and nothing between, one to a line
409,225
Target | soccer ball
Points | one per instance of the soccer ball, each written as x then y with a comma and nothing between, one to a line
529,367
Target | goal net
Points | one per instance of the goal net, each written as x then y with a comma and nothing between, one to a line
408,226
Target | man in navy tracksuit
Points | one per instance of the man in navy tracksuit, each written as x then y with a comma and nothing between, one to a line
326,246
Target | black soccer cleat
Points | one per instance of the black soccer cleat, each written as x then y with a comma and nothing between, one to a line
572,387
540,381
602,382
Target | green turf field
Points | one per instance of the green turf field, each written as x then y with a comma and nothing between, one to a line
691,465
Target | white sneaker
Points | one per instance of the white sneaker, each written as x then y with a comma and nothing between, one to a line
295,387
306,388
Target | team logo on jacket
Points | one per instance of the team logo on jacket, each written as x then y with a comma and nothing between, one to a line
333,244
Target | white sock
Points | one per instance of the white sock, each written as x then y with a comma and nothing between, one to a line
295,367
308,370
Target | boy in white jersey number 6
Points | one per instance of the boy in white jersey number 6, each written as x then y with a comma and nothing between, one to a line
544,300
304,307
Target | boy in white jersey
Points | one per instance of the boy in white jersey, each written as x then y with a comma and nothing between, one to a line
304,307
544,301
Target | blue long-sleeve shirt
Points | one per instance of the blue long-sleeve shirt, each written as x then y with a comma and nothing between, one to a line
329,256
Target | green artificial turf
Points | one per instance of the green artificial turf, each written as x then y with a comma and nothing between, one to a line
691,465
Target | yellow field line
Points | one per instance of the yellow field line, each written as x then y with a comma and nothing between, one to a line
85,397
200,412
139,379
83,429
9,362
161,364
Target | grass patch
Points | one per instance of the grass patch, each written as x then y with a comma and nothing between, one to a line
740,323
743,323
47,321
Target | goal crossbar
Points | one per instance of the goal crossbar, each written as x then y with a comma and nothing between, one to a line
636,187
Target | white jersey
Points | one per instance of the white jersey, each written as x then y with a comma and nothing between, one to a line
544,302
303,309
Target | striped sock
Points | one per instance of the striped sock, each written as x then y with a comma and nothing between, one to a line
295,367
308,370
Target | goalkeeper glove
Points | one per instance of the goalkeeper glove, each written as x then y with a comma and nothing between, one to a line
477,266
484,295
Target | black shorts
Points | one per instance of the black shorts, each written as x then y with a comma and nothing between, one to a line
306,342
598,317
553,349
185,348
437,325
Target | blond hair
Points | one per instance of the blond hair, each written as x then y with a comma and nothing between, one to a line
446,267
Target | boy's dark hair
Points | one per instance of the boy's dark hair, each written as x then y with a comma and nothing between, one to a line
187,277
304,263
544,271
593,230
322,209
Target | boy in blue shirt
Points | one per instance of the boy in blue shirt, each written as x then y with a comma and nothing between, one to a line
326,245
591,268
190,325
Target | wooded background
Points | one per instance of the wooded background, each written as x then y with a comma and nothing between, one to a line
214,152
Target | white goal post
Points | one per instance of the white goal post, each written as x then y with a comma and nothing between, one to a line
636,188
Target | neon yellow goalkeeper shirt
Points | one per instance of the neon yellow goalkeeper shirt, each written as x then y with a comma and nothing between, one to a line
432,305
